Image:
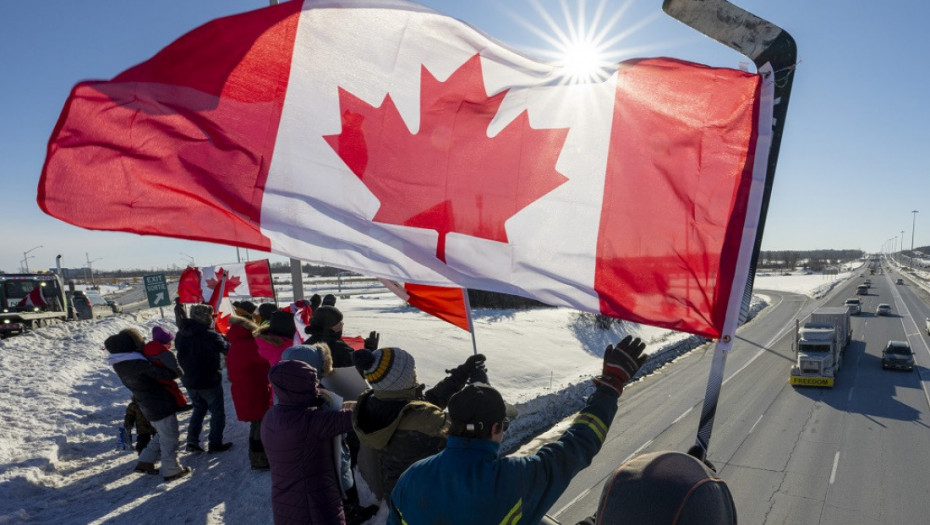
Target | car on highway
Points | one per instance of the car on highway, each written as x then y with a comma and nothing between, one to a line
862,289
883,309
898,355
899,281
854,305
867,282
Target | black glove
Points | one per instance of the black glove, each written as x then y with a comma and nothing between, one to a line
621,362
371,342
471,370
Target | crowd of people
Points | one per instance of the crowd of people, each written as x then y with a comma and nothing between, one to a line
320,411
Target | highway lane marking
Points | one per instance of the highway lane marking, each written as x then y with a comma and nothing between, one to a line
587,490
898,300
756,423
836,461
683,415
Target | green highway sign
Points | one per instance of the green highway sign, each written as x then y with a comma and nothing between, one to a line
156,288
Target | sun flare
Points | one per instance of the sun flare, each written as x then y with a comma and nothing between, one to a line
584,44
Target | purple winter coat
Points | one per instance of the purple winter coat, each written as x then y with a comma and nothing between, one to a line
298,439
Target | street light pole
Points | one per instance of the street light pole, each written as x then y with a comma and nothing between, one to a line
913,225
90,268
26,257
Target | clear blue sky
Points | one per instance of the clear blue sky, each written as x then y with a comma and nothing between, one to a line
851,167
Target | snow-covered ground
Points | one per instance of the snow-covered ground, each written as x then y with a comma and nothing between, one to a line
62,405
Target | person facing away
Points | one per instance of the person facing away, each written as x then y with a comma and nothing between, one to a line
396,422
665,488
276,336
345,445
298,437
248,384
199,349
479,486
142,378
158,351
263,313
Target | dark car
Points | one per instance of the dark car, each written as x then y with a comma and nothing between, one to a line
898,355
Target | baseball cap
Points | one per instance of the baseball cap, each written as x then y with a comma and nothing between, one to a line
473,409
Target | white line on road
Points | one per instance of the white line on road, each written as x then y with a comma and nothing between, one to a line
836,461
756,423
682,416
586,491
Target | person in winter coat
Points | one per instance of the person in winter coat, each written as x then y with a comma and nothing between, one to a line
329,300
276,337
397,422
142,378
315,301
263,313
479,486
158,351
321,360
326,327
249,386
199,350
298,436
134,418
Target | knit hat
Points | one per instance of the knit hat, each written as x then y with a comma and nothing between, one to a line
329,300
315,301
202,313
473,409
324,318
127,340
316,355
161,335
389,369
666,487
282,324
265,310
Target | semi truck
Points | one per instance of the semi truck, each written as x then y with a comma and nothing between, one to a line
820,344
30,300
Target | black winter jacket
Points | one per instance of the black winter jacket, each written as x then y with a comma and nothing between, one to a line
340,350
199,349
141,377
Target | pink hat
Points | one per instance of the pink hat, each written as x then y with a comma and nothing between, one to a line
161,335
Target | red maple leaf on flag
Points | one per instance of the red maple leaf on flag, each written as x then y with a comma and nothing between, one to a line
231,282
449,176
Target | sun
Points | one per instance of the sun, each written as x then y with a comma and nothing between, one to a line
582,61
584,45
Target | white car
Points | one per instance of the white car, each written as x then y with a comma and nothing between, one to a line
883,309
854,305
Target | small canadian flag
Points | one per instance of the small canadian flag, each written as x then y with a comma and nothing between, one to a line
447,303
35,298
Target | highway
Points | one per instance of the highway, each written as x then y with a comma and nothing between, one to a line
847,455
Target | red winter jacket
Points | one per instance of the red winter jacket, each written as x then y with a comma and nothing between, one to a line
248,372
271,346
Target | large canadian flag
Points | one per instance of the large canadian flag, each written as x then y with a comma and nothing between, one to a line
388,139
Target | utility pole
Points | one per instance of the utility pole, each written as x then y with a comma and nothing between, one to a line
913,225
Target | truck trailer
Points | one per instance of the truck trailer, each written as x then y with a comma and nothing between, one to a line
820,344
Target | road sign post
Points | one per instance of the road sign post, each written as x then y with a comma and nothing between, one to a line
156,289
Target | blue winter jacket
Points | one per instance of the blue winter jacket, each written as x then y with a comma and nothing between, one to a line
468,484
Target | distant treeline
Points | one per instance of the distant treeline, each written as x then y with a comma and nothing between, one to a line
815,260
